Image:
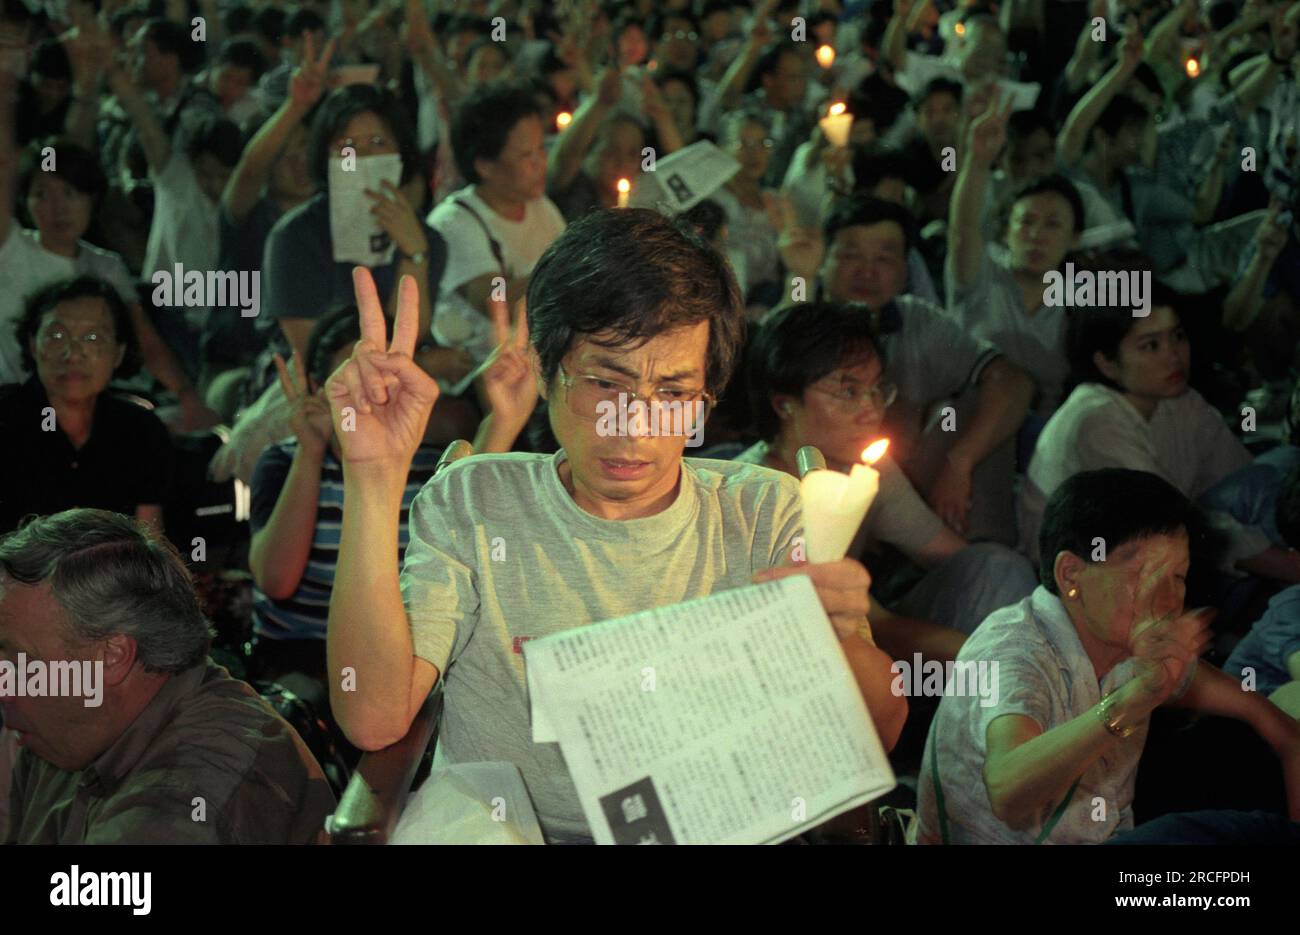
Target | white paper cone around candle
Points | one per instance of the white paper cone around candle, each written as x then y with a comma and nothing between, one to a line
837,124
835,504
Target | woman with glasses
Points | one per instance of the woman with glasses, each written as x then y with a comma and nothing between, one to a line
73,444
751,230
816,377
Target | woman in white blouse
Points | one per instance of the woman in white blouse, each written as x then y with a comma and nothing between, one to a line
1132,407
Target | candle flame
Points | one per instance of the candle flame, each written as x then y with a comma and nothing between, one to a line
1193,68
825,56
960,29
624,186
838,108
875,451
563,119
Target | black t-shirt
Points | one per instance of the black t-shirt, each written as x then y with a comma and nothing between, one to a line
127,461
300,278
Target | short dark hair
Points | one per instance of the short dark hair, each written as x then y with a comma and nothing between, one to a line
66,290
333,331
73,163
112,574
209,132
862,210
50,60
939,86
1054,184
770,61
1023,124
1103,328
630,274
1121,112
664,75
269,23
483,120
1287,512
871,166
243,53
1115,505
707,217
239,18
800,344
340,107
174,39
301,20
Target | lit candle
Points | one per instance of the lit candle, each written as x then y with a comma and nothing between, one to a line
834,505
563,119
624,187
960,29
836,124
1193,68
825,56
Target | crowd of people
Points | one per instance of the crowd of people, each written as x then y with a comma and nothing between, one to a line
267,261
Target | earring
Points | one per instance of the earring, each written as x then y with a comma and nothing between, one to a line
785,409
1073,592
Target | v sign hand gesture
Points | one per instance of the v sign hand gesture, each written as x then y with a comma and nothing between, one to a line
381,399
309,414
508,380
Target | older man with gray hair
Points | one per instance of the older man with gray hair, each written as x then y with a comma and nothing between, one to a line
128,732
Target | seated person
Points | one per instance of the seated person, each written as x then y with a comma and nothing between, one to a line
816,378
297,503
161,746
964,462
1132,407
622,297
74,444
1271,650
303,281
1007,303
1082,663
501,223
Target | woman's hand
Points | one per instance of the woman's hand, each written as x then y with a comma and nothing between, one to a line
309,413
509,382
381,399
307,83
397,219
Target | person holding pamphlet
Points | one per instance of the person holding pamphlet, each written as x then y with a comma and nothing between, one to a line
505,548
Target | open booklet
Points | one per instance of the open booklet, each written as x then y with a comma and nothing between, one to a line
730,719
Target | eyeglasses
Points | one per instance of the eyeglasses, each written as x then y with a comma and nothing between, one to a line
755,144
57,341
680,34
853,397
591,398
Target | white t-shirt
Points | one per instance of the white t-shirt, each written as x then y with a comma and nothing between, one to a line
1185,441
26,267
469,256
469,615
185,226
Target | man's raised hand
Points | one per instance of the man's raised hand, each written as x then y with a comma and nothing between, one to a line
381,399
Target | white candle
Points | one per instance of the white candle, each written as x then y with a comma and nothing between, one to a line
624,187
836,125
835,504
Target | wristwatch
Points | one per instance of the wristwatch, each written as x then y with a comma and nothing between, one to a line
417,257
1111,721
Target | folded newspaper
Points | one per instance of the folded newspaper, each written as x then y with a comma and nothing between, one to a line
730,719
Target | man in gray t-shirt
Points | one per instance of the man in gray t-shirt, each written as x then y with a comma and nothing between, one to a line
625,310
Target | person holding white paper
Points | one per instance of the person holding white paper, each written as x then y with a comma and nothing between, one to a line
508,547
303,279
